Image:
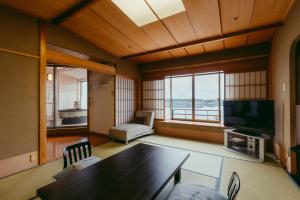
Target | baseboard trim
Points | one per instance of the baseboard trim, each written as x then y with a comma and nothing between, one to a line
18,163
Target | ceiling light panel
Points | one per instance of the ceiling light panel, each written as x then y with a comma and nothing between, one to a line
137,10
166,8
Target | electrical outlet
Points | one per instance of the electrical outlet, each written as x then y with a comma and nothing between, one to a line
32,158
283,87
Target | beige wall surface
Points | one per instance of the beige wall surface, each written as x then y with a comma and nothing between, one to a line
19,105
19,84
101,94
281,75
18,32
64,38
19,77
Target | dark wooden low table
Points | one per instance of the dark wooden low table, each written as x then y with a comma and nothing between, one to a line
140,172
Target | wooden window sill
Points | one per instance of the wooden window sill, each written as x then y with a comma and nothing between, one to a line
194,123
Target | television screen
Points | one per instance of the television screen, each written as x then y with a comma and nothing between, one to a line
255,115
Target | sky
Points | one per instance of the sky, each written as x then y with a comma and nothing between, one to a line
206,87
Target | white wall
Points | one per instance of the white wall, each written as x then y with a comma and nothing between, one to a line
281,75
101,93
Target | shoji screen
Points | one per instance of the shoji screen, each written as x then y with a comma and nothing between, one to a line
125,100
154,97
246,85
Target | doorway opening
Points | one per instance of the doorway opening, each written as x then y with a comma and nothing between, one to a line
66,97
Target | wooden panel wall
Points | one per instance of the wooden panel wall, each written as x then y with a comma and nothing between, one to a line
19,84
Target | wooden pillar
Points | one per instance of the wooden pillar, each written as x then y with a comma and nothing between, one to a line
42,96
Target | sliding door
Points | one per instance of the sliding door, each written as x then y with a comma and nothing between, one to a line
154,97
125,100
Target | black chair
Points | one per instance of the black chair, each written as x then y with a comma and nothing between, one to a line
76,157
198,192
76,152
234,186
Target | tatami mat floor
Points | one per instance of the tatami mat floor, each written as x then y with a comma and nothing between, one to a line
209,165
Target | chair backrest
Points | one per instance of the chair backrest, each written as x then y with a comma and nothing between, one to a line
149,116
76,152
234,186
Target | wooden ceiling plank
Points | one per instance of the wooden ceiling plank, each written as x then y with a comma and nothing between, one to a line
196,49
105,31
45,9
261,36
180,27
178,52
76,27
270,11
111,13
214,46
235,41
236,14
206,40
76,8
159,34
163,55
145,58
204,17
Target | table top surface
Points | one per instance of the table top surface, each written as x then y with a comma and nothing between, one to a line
140,172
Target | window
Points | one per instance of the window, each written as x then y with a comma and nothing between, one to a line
195,97
154,97
83,94
207,97
125,100
182,97
67,95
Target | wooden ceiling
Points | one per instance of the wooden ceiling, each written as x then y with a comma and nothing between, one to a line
205,26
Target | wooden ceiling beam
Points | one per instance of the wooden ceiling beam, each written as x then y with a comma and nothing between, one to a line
206,40
76,8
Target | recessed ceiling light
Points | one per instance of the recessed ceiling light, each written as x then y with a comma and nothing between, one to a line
141,13
166,8
137,10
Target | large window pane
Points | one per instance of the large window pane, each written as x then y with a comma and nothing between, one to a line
207,97
181,88
50,97
66,96
83,94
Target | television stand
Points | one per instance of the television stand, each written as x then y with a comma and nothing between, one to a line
249,144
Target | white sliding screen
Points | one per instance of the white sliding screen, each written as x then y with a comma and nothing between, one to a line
246,85
125,104
154,97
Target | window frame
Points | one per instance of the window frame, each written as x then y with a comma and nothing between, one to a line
193,97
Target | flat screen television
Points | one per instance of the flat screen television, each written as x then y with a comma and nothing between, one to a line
250,115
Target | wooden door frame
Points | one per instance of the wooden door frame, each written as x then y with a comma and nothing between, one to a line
47,55
42,95
292,75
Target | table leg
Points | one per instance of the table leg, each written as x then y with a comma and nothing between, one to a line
177,176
